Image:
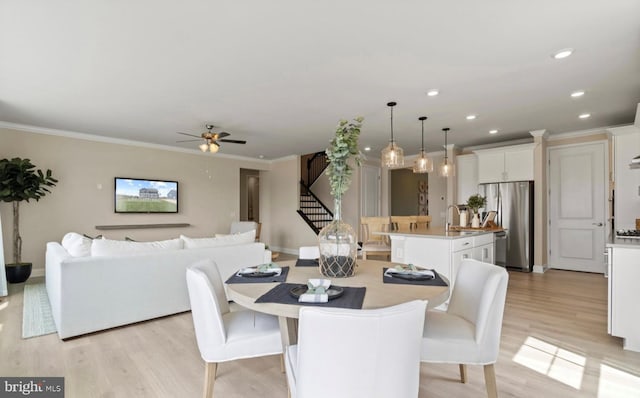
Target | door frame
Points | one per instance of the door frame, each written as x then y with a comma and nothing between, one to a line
607,191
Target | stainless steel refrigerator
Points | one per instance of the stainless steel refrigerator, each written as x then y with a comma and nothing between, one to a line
513,202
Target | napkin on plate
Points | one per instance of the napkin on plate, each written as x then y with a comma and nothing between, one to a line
261,268
317,291
411,270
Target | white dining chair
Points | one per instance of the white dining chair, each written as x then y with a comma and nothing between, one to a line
223,335
469,332
357,353
308,252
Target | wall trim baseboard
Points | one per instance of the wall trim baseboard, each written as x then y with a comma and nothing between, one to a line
37,272
540,269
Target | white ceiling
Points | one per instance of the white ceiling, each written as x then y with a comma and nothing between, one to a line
280,74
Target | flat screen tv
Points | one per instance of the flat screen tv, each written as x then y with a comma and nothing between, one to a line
134,195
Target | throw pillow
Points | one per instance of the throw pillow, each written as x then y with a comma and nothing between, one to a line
77,245
225,240
108,247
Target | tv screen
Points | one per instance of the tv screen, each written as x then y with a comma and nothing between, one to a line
133,195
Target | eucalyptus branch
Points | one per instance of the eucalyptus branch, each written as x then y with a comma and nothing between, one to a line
344,146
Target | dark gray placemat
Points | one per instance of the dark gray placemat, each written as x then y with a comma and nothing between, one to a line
353,297
247,279
437,281
307,262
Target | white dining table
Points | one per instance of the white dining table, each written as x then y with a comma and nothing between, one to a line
368,274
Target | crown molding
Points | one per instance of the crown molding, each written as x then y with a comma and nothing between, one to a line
119,141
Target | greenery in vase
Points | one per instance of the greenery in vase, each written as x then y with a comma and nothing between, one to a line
343,147
476,202
19,181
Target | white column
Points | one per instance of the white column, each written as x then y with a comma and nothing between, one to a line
540,223
3,277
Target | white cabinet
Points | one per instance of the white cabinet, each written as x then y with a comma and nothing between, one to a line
627,180
441,253
624,274
467,176
510,163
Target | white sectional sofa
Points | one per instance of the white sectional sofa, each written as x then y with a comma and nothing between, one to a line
96,292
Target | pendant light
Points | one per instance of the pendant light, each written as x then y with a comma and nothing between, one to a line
392,155
446,169
422,164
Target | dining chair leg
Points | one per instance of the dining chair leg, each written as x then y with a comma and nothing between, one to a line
364,254
210,371
463,373
490,381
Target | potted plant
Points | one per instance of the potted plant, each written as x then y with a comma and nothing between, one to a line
20,181
476,202
337,241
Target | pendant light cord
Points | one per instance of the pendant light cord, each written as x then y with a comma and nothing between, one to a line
391,123
391,105
446,155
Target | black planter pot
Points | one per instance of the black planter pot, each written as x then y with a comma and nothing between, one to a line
18,273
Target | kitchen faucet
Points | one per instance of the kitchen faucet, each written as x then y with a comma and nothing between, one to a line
446,216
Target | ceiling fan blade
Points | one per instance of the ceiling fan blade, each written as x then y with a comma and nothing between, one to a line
234,141
191,135
222,134
190,140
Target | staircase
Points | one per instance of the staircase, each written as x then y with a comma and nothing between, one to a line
311,209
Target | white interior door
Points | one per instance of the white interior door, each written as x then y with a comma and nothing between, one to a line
370,191
577,207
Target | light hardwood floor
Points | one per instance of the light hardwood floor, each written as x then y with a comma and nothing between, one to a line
554,344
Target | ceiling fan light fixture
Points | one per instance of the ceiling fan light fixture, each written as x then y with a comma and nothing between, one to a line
392,156
213,147
203,147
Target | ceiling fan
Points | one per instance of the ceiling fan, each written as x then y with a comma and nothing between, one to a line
211,140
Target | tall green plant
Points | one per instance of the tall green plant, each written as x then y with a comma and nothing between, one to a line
20,181
344,146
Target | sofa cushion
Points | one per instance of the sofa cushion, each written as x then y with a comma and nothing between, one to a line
222,240
77,245
108,247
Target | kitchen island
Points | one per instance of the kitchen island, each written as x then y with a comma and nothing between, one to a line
439,249
623,265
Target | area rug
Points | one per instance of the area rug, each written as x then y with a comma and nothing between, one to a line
36,313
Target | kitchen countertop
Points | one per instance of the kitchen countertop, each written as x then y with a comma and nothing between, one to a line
624,242
439,233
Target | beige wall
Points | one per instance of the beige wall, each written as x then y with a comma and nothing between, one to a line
84,195
288,230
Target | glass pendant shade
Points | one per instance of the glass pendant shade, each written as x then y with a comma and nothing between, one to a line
392,155
446,169
422,164
203,147
213,147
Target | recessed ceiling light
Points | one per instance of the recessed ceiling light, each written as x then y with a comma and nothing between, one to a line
585,116
367,148
471,117
433,92
577,94
261,156
563,53
494,131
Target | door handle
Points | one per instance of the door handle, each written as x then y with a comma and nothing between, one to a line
599,224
